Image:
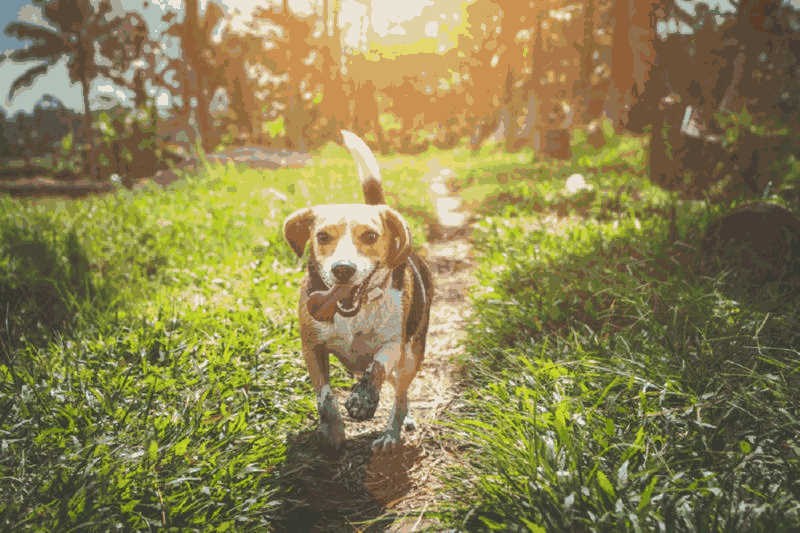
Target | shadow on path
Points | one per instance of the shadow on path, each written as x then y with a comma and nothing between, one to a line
344,492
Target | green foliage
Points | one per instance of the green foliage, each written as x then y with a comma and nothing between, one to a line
617,382
275,128
525,185
129,144
44,277
150,363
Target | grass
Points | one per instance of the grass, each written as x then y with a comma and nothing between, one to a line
619,379
150,361
527,187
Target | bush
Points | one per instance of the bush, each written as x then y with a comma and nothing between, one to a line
129,144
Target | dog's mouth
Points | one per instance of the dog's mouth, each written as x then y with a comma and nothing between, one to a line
350,305
344,299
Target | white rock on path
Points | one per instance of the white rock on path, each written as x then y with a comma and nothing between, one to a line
576,183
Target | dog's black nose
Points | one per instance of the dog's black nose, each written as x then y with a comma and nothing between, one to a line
343,271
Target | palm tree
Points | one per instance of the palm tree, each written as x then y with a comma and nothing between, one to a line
71,28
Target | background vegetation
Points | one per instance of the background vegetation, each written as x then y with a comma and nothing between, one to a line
632,172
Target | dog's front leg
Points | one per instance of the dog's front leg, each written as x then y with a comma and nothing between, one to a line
331,426
364,397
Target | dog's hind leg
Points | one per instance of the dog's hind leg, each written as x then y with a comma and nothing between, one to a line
417,348
398,419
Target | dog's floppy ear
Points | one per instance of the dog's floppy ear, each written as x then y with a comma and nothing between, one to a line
297,229
400,235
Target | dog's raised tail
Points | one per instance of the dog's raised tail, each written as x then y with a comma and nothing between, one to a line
368,171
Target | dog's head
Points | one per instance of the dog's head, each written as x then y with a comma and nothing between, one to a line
348,241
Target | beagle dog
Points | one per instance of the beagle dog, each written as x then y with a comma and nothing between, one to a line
366,298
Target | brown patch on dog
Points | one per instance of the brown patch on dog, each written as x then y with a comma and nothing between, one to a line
297,229
400,237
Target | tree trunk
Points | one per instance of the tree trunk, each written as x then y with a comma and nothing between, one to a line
587,50
337,31
621,64
535,104
509,113
191,41
91,167
632,55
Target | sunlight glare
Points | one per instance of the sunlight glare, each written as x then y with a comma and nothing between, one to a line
387,15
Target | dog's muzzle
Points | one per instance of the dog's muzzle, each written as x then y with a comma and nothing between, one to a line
343,299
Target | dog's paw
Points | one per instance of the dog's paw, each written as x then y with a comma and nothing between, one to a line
366,394
331,426
409,424
387,442
363,401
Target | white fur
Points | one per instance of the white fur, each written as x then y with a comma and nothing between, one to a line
365,160
346,250
379,325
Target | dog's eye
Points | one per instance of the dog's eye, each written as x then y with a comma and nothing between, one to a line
369,237
323,238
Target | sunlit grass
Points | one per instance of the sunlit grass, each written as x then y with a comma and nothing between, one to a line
151,365
616,380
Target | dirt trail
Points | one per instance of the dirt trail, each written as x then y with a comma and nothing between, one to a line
352,491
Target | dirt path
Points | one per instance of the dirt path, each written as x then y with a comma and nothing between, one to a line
353,491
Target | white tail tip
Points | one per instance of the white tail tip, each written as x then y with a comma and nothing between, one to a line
365,160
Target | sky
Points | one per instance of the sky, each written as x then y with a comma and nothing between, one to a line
387,14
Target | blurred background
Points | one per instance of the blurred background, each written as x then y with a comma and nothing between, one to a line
111,88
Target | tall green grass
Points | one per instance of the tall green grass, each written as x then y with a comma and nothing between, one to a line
618,380
150,363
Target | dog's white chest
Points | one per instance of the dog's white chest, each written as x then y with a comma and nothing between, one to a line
355,340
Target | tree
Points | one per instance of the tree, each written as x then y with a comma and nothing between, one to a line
130,57
198,72
24,138
4,148
632,55
291,53
71,30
